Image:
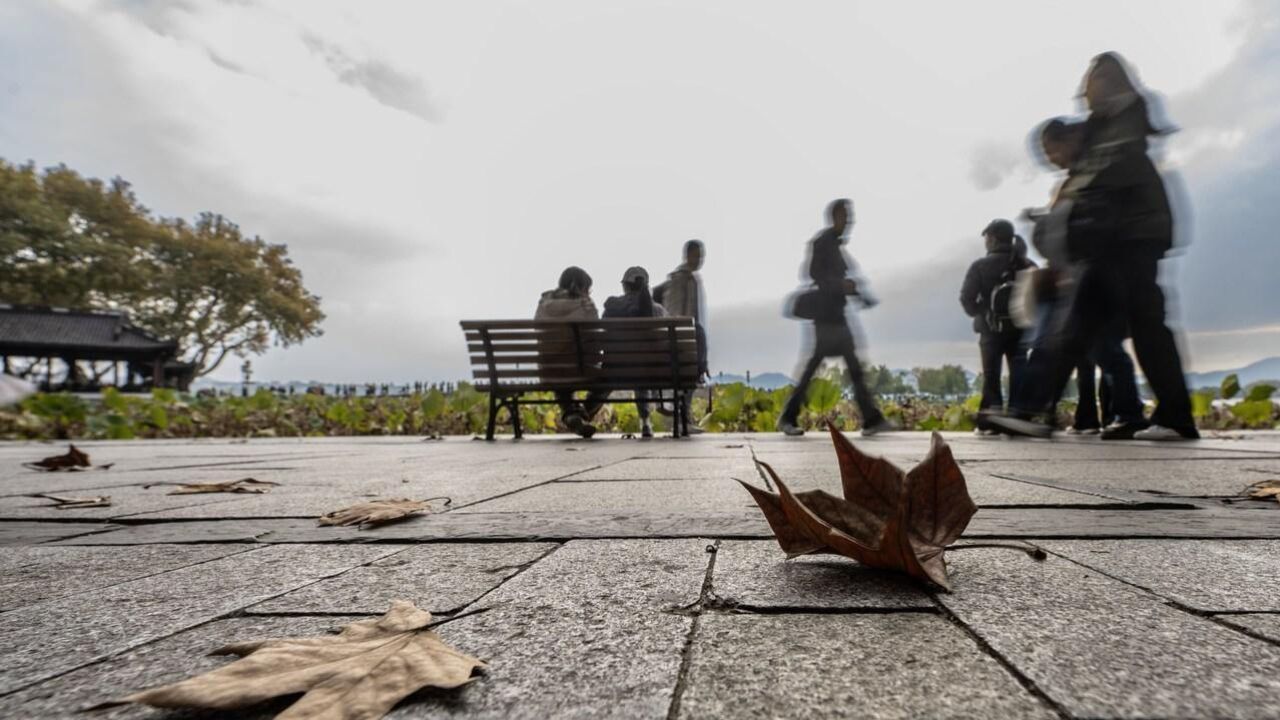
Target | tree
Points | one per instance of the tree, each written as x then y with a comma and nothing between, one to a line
946,381
882,382
68,241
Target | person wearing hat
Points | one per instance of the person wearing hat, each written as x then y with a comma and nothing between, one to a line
830,268
636,301
985,296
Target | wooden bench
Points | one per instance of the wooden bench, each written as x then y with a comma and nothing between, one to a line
512,358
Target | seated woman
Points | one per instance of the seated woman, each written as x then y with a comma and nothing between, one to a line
636,301
570,300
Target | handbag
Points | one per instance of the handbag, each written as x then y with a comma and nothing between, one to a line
804,304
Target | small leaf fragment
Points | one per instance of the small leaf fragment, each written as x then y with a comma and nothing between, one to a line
375,512
73,459
360,673
63,502
246,485
1264,490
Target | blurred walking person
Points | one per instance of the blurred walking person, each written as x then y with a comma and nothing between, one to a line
1118,227
636,301
682,296
986,296
830,269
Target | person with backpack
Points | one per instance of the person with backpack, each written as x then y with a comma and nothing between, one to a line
985,296
830,269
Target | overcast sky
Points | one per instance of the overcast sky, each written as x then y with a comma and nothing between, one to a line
427,162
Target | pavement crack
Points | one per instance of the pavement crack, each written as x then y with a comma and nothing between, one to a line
695,611
1026,682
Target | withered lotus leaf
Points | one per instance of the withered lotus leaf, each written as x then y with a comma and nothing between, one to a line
359,674
887,518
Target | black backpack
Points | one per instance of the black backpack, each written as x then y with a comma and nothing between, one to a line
998,317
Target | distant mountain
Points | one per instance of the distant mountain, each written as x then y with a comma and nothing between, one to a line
1267,369
764,381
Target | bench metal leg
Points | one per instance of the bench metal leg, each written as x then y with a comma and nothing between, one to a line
493,417
513,409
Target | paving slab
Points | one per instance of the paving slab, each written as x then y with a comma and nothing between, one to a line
1192,478
898,665
48,638
1101,648
165,660
41,572
1264,624
1208,575
754,574
125,501
679,468
440,578
622,496
27,532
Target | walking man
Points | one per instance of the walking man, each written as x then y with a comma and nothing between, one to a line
830,269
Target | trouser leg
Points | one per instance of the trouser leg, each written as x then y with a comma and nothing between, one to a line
791,411
1123,403
642,405
1155,346
861,393
992,351
1086,395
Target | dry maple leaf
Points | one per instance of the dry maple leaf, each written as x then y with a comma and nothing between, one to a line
73,459
360,673
886,519
1264,490
247,485
63,502
377,512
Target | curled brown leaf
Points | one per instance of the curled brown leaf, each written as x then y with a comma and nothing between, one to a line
886,519
63,502
73,459
377,512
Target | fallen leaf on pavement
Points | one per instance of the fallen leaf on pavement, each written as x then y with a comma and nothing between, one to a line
378,512
63,502
1264,490
73,459
247,485
886,519
361,673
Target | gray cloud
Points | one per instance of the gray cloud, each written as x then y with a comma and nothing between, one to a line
991,163
384,83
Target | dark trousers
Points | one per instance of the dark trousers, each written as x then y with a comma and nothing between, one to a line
1087,395
998,349
833,339
1119,389
1120,288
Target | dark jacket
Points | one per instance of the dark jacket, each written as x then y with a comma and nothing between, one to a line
829,266
982,279
628,306
1120,201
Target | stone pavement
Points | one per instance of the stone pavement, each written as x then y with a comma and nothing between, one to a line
636,579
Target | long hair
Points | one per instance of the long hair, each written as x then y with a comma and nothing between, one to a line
575,282
1111,68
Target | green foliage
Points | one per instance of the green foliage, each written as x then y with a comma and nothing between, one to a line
882,382
1201,404
946,381
77,242
823,397
1258,392
1255,413
1230,386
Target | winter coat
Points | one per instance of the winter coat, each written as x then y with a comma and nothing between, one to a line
682,293
829,266
559,342
983,277
1120,203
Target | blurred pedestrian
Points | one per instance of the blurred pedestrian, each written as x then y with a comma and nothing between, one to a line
682,296
830,270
